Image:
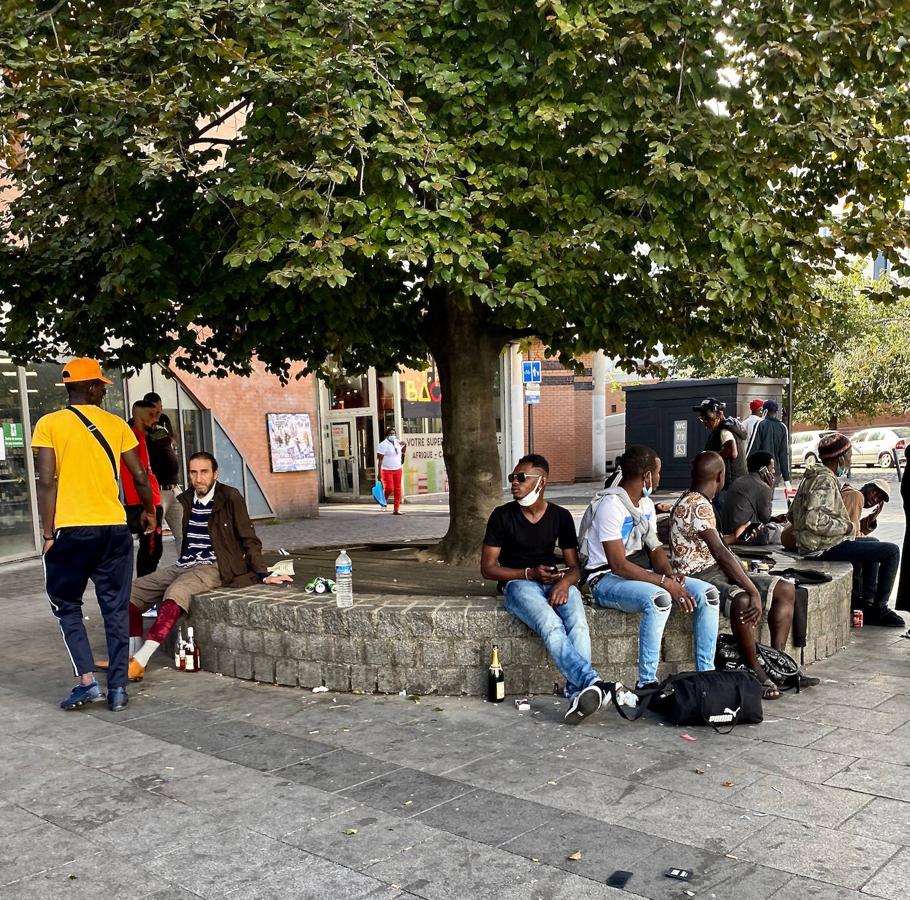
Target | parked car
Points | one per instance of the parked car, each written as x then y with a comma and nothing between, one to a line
615,426
876,446
804,447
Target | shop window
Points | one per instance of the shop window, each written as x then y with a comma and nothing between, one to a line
350,393
17,529
256,504
230,462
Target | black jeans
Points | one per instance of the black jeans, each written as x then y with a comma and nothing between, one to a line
150,547
874,567
104,554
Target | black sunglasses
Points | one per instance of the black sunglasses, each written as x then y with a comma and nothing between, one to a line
520,477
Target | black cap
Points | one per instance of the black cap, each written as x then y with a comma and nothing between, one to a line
712,404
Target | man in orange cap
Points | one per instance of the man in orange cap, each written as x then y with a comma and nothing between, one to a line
84,525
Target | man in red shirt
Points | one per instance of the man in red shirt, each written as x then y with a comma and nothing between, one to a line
143,420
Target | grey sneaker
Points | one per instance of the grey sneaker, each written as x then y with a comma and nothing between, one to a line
584,704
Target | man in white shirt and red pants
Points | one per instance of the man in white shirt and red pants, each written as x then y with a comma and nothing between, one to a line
389,459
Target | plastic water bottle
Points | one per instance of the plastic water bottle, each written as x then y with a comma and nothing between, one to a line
344,580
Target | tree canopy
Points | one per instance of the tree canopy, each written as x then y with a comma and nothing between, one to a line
409,176
852,363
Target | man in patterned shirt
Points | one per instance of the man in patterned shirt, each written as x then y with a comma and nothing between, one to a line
698,550
220,549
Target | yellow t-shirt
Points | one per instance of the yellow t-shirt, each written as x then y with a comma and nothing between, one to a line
87,492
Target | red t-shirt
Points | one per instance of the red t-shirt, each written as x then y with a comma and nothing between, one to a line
130,494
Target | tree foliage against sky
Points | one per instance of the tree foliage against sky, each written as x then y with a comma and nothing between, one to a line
440,175
853,363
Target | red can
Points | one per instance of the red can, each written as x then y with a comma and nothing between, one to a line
857,618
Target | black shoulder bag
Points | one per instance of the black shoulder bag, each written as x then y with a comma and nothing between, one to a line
702,698
96,432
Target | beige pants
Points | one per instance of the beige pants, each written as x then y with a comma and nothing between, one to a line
174,583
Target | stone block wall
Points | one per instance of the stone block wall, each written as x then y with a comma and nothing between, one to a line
427,645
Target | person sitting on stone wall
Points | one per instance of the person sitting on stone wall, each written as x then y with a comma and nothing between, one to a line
219,549
821,528
628,569
518,553
697,550
746,517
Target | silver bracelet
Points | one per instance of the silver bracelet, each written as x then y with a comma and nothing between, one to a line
663,578
527,577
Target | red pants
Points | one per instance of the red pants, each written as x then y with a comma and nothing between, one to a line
391,484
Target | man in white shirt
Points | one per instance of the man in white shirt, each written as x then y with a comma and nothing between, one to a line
389,459
757,413
627,567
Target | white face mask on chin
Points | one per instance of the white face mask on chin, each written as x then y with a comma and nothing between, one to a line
531,497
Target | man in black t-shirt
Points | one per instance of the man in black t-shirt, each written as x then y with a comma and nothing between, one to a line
162,446
518,553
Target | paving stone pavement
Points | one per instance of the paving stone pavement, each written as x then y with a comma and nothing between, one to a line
210,787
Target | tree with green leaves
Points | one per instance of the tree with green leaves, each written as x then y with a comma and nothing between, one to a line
439,176
850,363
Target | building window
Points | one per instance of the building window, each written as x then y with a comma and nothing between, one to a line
612,407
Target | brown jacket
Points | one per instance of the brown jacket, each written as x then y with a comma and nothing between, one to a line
234,541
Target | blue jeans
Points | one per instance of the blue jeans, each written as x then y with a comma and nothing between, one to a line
654,604
563,629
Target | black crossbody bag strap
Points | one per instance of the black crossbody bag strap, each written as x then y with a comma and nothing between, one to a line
93,428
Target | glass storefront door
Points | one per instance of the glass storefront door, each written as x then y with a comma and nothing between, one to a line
17,523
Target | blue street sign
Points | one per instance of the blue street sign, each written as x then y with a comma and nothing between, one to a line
532,398
530,371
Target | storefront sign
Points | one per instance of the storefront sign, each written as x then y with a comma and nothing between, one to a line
341,440
13,435
291,442
424,469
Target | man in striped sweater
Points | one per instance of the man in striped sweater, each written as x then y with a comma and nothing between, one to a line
219,549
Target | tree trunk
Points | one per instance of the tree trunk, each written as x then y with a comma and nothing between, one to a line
466,350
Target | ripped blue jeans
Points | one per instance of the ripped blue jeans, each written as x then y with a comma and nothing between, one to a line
654,604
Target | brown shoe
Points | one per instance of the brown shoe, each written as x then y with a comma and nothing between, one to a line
136,671
101,664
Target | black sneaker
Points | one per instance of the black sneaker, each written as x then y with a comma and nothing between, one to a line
585,703
808,680
884,616
647,686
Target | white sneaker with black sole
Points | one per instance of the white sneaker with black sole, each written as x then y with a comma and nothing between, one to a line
585,702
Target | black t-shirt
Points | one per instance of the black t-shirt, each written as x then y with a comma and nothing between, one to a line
162,456
522,543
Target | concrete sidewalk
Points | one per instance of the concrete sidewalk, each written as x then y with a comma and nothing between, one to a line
210,787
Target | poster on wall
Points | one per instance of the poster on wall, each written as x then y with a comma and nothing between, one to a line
291,442
424,469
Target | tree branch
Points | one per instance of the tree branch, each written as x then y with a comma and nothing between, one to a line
221,119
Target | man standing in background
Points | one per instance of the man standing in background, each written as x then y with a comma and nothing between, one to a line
757,413
149,554
771,436
162,447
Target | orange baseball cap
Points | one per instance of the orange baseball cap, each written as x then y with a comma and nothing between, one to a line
83,369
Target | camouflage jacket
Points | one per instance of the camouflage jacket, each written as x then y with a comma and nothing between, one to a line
818,514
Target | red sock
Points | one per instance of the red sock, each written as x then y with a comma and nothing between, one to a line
135,621
168,615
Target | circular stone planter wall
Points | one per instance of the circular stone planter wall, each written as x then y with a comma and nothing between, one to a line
423,645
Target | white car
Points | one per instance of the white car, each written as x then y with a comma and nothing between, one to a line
804,447
876,446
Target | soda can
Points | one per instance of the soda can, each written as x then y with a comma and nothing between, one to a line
857,618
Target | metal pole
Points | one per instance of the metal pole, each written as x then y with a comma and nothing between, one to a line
530,428
790,410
